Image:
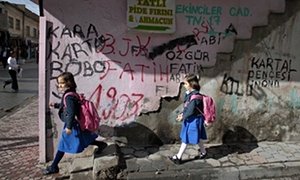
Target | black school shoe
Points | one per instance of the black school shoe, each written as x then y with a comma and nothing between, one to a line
175,160
201,156
50,170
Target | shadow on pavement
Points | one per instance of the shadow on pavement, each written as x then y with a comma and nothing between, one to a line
15,143
131,134
236,140
25,91
141,141
135,139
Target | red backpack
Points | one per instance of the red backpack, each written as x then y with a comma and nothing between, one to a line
88,116
209,107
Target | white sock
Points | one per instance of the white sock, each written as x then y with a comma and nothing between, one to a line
202,148
181,150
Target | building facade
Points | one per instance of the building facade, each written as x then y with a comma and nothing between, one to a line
19,28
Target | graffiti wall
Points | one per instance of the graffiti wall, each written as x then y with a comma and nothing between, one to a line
261,85
127,72
252,73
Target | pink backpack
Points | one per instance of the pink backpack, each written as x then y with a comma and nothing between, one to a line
209,107
88,116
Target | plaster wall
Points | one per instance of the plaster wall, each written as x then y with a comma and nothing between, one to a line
134,77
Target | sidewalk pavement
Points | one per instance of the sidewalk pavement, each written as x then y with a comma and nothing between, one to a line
19,148
28,87
264,160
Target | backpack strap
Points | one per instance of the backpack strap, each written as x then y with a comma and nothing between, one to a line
70,94
197,96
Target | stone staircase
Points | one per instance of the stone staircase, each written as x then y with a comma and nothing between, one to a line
92,163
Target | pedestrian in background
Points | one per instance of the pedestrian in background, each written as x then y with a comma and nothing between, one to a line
192,129
4,56
72,139
13,68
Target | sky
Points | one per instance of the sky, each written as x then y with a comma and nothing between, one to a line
31,6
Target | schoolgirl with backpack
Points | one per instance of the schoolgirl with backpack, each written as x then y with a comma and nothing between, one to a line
193,119
73,138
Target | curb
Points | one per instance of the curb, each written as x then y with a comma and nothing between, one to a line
245,172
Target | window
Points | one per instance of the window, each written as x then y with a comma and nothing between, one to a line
11,22
18,24
27,31
34,32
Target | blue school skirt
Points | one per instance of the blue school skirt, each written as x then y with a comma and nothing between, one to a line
193,130
77,141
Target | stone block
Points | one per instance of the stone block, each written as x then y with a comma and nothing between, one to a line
261,171
132,165
110,150
82,164
106,167
89,151
87,175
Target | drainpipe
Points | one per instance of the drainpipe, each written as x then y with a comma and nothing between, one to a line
41,7
23,25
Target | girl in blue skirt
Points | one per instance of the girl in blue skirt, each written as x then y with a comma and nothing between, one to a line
72,139
193,121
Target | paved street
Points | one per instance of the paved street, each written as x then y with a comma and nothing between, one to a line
28,87
19,143
19,126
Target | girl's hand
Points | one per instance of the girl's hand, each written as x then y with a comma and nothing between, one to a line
207,124
68,131
51,105
179,117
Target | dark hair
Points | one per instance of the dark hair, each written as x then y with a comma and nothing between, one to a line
193,80
12,52
69,79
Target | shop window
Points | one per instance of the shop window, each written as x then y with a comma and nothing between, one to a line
18,24
11,22
34,32
27,31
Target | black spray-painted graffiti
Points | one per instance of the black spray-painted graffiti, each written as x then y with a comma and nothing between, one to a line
188,41
197,55
268,72
230,86
76,31
178,68
203,35
91,40
263,72
77,67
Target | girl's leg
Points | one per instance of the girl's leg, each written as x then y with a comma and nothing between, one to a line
177,158
101,145
7,82
203,152
59,155
13,75
54,166
201,146
181,150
